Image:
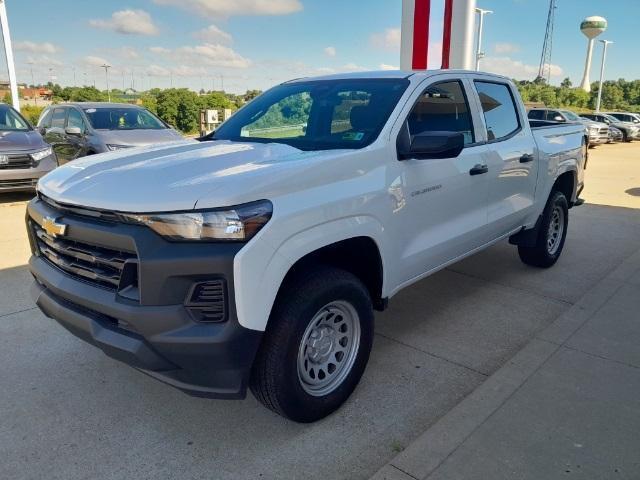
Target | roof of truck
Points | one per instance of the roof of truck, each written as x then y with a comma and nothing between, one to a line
391,74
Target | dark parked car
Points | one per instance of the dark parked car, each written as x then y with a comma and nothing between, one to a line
78,129
24,156
630,130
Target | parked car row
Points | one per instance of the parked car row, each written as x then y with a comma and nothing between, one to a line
601,127
68,131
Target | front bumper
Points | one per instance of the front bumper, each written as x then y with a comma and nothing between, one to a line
25,179
154,333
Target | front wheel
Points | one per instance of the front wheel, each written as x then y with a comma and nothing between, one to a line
316,346
551,236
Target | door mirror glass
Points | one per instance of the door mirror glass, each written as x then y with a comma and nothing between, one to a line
432,145
73,131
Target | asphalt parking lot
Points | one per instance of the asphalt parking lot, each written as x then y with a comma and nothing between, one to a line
69,412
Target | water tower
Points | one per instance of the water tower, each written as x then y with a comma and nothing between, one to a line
591,27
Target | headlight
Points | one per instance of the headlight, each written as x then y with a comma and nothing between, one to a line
236,224
117,147
39,155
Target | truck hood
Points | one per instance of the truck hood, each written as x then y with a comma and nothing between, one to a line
178,176
28,141
138,137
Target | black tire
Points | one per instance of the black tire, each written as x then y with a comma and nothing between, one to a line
625,137
541,255
275,379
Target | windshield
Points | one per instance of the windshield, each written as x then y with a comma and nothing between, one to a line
11,121
610,118
123,118
317,115
571,116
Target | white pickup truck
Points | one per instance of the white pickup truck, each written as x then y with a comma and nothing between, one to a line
256,257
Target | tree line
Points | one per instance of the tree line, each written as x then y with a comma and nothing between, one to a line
181,107
616,94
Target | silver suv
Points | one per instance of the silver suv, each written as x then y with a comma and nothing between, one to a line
78,129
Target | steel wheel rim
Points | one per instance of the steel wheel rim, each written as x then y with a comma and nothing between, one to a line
556,230
328,348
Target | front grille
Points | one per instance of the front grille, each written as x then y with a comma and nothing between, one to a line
604,131
207,301
99,266
19,183
18,161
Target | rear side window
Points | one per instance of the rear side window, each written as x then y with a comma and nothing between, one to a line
45,120
442,107
536,114
57,121
499,108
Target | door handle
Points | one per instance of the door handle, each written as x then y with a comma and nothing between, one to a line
526,158
479,170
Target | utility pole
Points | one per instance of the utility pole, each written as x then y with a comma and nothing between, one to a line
74,75
8,52
106,74
605,44
222,82
479,53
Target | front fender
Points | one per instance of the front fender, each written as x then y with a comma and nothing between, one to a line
260,267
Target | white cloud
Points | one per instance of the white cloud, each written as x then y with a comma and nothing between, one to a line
157,71
227,8
388,40
515,68
44,60
506,48
128,22
128,53
213,34
210,54
384,66
34,47
159,50
93,61
330,51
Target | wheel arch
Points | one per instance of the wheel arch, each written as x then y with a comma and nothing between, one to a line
352,243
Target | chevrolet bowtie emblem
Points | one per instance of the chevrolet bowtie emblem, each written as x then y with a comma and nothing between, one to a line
52,227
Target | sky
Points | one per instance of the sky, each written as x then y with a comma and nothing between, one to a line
254,44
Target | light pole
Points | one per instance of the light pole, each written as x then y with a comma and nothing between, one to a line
605,44
479,53
8,51
33,82
106,75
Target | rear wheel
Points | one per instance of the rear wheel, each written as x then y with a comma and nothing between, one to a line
551,234
316,347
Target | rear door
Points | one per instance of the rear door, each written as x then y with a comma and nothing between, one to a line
441,204
512,156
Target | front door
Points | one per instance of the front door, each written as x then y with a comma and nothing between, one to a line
444,214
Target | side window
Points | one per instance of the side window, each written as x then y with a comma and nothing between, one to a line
45,120
59,114
442,107
499,108
75,119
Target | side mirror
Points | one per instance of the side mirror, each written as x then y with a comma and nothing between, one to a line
431,145
75,131
558,118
